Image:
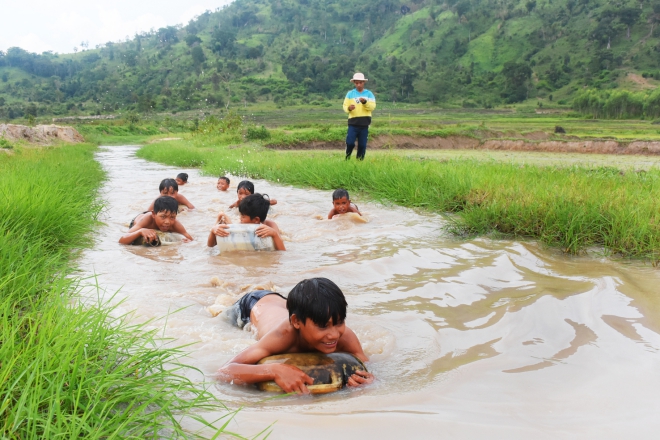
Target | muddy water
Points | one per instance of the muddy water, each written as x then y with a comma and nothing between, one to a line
468,339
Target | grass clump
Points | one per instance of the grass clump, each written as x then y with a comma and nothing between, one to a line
571,207
70,370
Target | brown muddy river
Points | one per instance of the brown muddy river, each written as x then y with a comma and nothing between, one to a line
467,339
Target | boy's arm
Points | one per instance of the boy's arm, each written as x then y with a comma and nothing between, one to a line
211,241
139,229
182,200
130,237
273,201
151,207
178,228
267,231
353,208
242,369
233,205
350,343
332,214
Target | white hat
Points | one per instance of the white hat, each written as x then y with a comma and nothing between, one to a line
359,77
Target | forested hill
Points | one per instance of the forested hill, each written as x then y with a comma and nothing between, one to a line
467,52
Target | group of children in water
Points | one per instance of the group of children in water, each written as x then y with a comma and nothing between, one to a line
310,318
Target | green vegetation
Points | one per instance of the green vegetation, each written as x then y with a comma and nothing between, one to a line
70,369
286,53
572,207
618,104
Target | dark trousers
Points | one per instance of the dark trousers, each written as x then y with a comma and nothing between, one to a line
360,133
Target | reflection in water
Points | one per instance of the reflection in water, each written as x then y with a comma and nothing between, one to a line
445,322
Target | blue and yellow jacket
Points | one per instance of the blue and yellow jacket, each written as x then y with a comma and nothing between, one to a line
361,115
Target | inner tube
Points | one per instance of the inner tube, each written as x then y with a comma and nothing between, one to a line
329,371
162,238
242,238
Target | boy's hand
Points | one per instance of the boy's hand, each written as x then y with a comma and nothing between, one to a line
221,230
360,378
265,231
291,379
222,218
363,100
149,235
351,108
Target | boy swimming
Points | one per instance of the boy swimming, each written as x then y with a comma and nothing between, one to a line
341,203
181,179
169,187
311,319
162,218
253,209
223,183
244,189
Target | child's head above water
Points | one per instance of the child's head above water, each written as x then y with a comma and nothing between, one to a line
168,187
166,204
223,183
318,299
244,189
165,211
181,179
341,201
254,208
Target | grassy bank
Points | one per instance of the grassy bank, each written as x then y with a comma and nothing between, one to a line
69,370
571,207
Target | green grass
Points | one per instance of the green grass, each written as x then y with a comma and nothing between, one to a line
70,369
573,207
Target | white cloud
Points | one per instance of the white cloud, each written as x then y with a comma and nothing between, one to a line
38,25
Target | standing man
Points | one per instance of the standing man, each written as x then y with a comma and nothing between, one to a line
359,103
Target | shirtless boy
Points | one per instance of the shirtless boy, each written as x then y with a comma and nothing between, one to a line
169,187
341,203
223,183
310,319
162,218
253,209
244,189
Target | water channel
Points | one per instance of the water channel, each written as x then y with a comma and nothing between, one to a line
468,339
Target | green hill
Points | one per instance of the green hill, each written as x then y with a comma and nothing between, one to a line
470,53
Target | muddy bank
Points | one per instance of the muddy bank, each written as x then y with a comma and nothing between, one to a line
41,134
536,141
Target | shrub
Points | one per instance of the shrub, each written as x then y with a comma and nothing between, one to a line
257,133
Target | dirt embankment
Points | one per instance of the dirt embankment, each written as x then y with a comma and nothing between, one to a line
537,141
41,134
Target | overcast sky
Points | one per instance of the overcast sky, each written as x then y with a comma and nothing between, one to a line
40,25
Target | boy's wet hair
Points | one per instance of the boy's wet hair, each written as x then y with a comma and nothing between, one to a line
225,178
167,184
183,176
247,185
318,299
167,204
340,193
255,205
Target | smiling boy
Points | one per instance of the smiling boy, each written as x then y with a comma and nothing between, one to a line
162,218
311,319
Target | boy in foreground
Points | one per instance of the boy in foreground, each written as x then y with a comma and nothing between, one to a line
253,209
169,187
341,203
311,319
162,218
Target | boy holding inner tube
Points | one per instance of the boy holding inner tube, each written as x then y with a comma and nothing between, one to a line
311,319
253,209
